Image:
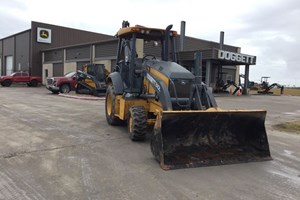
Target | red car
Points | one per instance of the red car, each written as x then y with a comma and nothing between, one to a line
20,77
62,84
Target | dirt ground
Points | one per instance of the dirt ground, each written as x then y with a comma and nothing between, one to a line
53,147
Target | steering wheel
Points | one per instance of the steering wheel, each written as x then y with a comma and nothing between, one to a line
148,57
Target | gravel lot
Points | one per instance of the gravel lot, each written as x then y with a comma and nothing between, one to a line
53,147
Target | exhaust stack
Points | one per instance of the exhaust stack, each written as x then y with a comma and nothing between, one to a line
221,39
182,35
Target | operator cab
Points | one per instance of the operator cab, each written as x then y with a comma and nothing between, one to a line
131,62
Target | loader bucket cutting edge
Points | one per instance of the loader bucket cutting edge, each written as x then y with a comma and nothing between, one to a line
186,139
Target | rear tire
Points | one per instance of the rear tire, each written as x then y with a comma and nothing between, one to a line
6,83
137,123
33,83
110,107
65,88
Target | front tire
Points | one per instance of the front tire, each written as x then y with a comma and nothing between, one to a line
137,123
33,83
6,83
65,88
110,107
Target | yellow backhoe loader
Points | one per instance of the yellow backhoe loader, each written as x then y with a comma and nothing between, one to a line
189,130
91,80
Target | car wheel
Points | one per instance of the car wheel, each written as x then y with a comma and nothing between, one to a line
33,83
65,88
6,83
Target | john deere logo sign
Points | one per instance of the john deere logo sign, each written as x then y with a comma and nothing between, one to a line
43,35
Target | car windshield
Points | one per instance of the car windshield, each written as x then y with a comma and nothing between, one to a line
70,74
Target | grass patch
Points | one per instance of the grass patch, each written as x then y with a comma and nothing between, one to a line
292,127
286,91
292,91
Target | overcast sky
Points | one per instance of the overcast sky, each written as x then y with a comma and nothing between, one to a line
268,29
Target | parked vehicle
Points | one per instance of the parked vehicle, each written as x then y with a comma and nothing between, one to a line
188,127
62,84
20,77
92,80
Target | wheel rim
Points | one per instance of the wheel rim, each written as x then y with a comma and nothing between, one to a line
65,89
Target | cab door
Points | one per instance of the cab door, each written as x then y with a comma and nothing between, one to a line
25,77
17,77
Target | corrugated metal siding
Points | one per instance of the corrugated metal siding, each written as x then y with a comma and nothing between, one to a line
78,53
58,69
61,36
9,46
199,44
150,49
191,45
22,53
8,50
194,44
189,55
215,54
108,49
1,46
54,56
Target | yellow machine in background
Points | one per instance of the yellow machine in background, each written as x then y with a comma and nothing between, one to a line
188,128
265,87
91,80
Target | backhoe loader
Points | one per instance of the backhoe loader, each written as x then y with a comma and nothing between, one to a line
91,80
188,128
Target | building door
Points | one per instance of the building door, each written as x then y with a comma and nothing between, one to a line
58,69
9,64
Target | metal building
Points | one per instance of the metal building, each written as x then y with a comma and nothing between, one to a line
23,51
48,50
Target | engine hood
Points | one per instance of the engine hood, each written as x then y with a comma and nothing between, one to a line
170,69
58,78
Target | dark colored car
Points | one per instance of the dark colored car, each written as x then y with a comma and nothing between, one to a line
20,77
62,84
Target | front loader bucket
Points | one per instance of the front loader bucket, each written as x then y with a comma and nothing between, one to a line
184,139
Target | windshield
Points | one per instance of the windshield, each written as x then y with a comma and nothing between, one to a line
70,74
